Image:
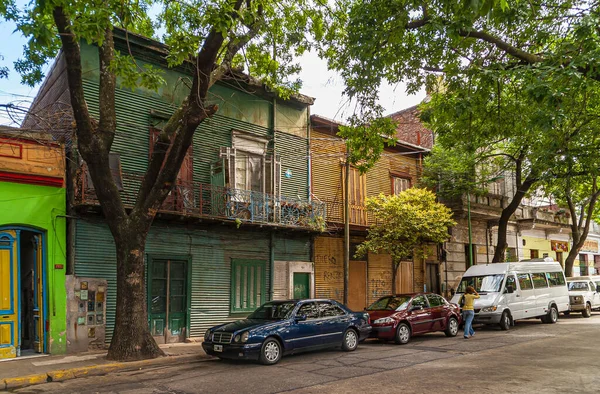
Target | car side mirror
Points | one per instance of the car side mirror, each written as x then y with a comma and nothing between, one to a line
416,308
510,289
300,318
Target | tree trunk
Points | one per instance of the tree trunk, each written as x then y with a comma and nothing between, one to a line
570,261
505,217
131,338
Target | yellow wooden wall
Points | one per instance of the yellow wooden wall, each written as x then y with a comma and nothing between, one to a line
329,268
327,155
22,156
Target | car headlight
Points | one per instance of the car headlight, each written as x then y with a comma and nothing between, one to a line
207,335
489,309
384,320
243,337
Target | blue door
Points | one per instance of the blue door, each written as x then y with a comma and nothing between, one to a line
9,296
306,333
334,321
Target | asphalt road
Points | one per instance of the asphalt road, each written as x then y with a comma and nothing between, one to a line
530,358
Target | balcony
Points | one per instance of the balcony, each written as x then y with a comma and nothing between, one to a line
546,219
359,215
486,207
200,200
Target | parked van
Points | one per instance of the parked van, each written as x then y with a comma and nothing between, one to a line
584,294
513,291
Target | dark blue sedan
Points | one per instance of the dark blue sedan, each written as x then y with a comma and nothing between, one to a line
278,328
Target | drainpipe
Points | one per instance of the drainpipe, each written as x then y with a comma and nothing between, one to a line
272,265
309,162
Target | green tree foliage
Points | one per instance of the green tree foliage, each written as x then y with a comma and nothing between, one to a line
407,40
213,39
366,142
520,124
404,224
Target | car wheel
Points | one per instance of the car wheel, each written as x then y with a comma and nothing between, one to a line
402,334
588,310
452,328
350,342
505,321
567,313
551,317
270,352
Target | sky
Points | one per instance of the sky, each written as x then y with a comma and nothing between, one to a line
324,85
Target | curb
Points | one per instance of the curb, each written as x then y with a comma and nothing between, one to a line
93,370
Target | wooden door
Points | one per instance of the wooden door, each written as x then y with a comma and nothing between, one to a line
404,278
9,296
357,286
433,275
38,295
168,300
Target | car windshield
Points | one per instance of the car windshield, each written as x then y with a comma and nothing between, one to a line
391,303
578,286
273,311
482,284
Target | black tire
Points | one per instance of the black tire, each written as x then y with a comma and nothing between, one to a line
505,321
587,312
452,327
567,313
551,317
270,352
350,340
403,334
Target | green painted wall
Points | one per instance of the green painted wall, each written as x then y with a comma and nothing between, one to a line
211,249
238,110
41,207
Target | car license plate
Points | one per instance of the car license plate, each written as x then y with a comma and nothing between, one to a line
218,348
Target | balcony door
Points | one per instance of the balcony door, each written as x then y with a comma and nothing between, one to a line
357,195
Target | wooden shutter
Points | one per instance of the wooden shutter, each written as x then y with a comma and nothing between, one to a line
182,194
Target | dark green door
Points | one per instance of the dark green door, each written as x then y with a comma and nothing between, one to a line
301,285
168,300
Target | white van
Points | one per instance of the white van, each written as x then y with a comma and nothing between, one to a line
584,292
513,291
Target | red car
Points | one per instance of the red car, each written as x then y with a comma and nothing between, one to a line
399,317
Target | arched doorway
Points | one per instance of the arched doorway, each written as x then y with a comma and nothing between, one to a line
22,291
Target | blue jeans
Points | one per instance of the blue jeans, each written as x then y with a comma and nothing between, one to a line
468,318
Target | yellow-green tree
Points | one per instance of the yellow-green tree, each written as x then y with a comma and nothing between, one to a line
404,224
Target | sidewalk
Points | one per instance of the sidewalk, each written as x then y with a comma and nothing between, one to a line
30,370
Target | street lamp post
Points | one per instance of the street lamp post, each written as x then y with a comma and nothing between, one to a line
470,233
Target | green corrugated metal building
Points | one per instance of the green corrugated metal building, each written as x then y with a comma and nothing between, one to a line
238,218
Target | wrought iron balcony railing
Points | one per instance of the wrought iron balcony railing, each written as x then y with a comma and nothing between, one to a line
197,199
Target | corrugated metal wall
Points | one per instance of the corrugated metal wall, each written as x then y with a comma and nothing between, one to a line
327,155
329,268
294,156
211,251
379,272
134,121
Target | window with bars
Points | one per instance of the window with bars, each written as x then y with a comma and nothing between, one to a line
248,287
